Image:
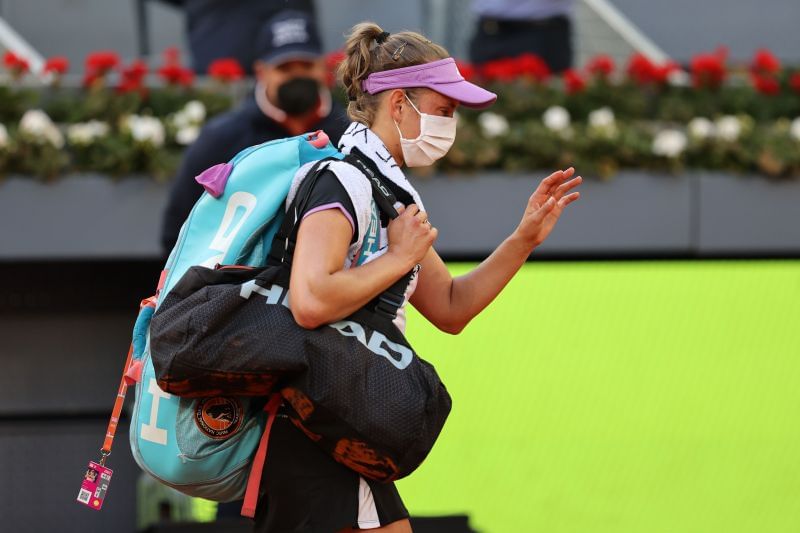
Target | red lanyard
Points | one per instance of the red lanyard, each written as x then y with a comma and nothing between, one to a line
130,375
105,451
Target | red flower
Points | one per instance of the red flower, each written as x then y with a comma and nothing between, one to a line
101,62
532,66
664,71
641,70
176,75
89,78
509,69
709,70
765,62
131,86
794,82
600,66
58,65
172,72
226,70
333,59
132,77
332,62
187,77
500,70
766,84
573,82
137,70
467,70
18,65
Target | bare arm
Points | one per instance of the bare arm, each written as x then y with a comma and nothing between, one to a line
321,291
450,304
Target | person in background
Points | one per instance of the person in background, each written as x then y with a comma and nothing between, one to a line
290,98
228,28
508,28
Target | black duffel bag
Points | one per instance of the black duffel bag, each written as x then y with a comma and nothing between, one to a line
356,387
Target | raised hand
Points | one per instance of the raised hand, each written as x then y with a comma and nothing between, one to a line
546,204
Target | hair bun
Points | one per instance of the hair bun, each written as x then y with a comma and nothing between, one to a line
382,36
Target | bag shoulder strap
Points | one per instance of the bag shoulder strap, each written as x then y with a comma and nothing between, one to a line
283,244
390,300
257,466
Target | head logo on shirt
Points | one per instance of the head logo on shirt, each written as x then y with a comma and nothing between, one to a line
372,238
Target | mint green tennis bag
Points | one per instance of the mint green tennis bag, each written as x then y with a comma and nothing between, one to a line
205,447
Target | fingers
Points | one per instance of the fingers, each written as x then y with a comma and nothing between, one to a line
556,178
544,209
410,210
551,183
568,199
564,187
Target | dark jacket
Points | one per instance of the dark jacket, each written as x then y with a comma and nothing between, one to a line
221,139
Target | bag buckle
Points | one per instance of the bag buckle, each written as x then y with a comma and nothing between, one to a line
388,304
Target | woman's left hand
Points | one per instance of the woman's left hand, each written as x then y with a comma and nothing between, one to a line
546,204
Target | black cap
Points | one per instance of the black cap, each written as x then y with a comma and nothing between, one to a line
287,36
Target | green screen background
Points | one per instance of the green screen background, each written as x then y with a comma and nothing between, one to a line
620,397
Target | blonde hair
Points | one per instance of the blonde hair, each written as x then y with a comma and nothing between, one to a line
369,49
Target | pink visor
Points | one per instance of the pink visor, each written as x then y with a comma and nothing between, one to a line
441,76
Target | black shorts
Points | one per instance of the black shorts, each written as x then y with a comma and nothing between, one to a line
303,490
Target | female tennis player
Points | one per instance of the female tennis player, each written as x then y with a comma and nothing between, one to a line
403,91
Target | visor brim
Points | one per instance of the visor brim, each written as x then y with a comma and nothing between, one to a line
466,93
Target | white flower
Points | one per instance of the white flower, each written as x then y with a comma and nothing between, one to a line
85,133
679,78
729,128
195,111
35,122
145,129
181,119
602,118
187,135
556,118
192,114
38,125
492,124
3,136
794,129
701,128
669,143
602,123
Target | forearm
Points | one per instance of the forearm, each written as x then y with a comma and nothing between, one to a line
330,297
473,292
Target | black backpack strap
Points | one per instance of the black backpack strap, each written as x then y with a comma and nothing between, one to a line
390,300
285,238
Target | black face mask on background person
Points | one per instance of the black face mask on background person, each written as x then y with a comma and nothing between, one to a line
298,96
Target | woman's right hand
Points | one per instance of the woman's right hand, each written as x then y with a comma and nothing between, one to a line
411,235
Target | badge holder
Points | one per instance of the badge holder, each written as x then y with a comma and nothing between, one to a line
94,486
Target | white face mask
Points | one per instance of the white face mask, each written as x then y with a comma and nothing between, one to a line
436,136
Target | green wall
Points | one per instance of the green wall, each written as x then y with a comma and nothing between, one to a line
641,397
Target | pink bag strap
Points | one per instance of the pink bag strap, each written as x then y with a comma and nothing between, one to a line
254,481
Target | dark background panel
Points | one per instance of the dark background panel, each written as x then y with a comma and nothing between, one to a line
43,462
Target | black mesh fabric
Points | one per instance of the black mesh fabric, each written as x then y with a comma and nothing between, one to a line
376,418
